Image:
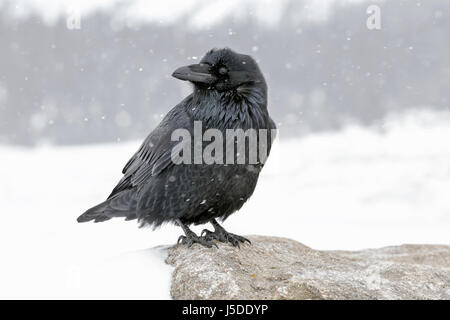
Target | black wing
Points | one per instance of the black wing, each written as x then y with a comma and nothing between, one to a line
154,155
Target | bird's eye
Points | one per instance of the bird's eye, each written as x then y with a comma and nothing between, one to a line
223,71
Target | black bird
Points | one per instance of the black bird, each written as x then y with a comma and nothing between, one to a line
229,92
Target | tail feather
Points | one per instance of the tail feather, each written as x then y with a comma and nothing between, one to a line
122,204
96,213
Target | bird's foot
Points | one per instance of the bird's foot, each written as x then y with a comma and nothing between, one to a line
223,236
191,238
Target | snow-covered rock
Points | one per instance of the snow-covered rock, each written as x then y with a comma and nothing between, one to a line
279,268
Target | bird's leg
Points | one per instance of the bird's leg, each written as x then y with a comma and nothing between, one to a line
222,235
190,237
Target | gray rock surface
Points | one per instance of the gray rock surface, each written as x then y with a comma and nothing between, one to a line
279,268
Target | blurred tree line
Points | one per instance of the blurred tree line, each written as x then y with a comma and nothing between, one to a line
110,82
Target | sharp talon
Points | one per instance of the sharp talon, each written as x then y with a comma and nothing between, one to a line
192,238
207,237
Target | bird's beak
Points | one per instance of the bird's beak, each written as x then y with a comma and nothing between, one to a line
195,73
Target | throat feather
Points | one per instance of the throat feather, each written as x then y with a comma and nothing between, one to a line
230,110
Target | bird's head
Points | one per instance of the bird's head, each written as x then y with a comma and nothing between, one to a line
222,70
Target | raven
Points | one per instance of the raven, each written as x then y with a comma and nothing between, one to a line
229,92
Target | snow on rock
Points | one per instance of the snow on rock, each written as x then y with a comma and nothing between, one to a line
280,268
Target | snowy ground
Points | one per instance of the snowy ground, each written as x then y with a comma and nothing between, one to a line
354,189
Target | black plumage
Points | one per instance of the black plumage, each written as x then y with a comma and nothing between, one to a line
229,93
